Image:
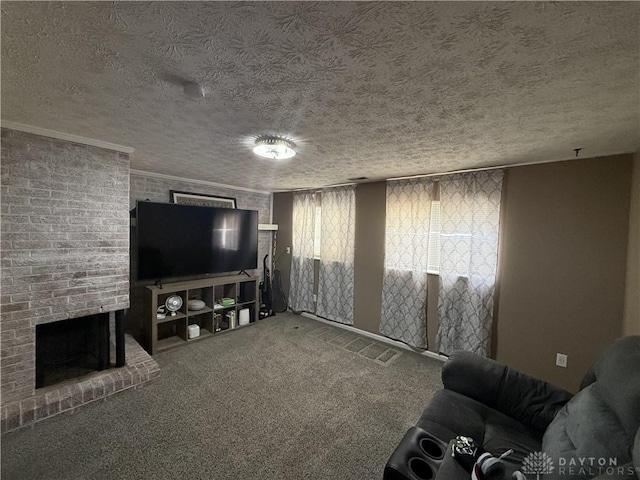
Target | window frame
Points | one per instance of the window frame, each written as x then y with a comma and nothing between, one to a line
435,230
317,233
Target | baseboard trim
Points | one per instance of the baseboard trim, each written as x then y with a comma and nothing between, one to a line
379,338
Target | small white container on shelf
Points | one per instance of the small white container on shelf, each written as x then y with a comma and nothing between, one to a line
244,317
193,331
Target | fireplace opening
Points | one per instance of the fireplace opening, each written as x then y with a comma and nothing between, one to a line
71,348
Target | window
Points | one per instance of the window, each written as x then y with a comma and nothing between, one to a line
404,283
433,255
317,233
407,224
463,241
414,230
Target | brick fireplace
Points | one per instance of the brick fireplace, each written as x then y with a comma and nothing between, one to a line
73,348
65,255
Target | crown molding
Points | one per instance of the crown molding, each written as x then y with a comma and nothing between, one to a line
45,132
196,181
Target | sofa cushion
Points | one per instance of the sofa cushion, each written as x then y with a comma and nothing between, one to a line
600,422
449,414
587,428
636,453
618,381
520,396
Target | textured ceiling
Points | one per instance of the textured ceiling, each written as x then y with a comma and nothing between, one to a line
375,89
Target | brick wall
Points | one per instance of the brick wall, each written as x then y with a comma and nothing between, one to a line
157,188
65,243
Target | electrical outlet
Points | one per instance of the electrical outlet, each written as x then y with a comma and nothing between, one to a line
561,360
288,250
315,297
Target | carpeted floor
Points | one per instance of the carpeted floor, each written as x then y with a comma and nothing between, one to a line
271,401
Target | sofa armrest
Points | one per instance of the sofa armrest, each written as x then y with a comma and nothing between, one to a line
525,398
450,469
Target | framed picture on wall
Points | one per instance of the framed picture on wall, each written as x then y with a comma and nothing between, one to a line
187,198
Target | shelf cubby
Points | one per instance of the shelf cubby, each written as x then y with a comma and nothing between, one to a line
171,331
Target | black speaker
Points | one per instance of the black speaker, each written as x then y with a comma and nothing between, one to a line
247,292
417,457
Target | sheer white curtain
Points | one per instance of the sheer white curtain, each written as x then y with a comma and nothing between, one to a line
337,240
303,227
404,289
470,222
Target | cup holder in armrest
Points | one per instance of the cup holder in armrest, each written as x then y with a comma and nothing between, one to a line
417,457
431,447
421,468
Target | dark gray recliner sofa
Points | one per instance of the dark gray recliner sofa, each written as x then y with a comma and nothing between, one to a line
594,434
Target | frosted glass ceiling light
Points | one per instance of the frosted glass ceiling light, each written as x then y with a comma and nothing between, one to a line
276,148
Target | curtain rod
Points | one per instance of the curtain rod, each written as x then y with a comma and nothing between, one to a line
442,174
453,172
318,189
496,167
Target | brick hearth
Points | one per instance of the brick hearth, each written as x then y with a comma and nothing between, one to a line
72,394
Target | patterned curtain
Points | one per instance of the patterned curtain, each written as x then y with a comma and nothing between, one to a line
301,279
335,287
404,289
470,221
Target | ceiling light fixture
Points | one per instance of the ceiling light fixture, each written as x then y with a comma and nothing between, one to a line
276,148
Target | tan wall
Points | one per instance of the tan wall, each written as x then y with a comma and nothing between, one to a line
369,255
433,285
632,293
282,210
563,266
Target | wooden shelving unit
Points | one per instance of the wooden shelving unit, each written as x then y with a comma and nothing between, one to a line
171,331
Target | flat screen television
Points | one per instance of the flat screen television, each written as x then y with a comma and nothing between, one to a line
185,240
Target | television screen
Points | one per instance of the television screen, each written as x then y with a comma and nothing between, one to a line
184,240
